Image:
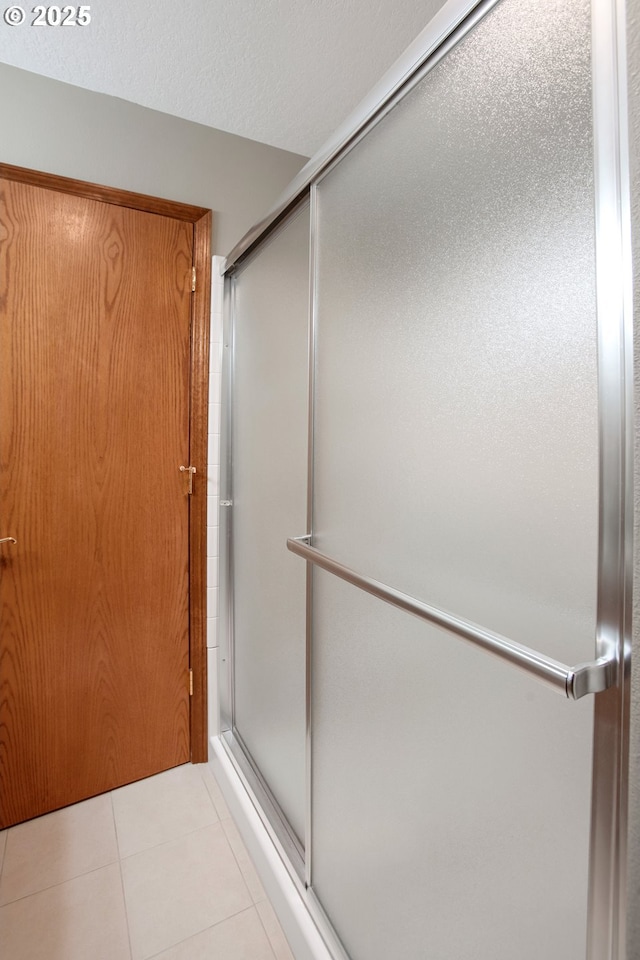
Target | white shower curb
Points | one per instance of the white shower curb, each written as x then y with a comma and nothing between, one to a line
292,903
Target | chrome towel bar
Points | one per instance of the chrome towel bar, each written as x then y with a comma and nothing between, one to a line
573,682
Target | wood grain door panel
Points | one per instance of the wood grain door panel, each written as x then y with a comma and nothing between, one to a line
95,311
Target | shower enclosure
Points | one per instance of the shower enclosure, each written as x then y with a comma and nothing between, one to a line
426,500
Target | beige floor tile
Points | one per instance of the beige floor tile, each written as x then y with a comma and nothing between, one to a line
57,847
275,932
82,919
3,843
241,937
180,888
161,808
245,863
215,793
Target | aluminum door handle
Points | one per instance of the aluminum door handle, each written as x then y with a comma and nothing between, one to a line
574,682
8,540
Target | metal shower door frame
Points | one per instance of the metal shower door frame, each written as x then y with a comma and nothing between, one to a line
270,810
607,869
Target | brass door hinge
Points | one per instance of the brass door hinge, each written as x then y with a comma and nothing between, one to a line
190,683
193,279
190,471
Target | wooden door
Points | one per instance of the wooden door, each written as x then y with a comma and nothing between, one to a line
95,313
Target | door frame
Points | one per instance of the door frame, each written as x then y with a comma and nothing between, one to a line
201,218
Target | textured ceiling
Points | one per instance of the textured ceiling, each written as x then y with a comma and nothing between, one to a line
285,72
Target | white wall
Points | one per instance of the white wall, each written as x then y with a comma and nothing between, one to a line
62,129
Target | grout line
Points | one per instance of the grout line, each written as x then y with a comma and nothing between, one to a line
207,767
178,836
268,936
158,956
3,847
238,862
163,843
215,809
115,822
60,883
124,897
233,854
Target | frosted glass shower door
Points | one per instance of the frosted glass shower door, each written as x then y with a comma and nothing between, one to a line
456,459
269,466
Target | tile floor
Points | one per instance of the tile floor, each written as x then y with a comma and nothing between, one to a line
154,869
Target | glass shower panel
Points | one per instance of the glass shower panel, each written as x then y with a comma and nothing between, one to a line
456,459
451,793
457,425
225,618
269,455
